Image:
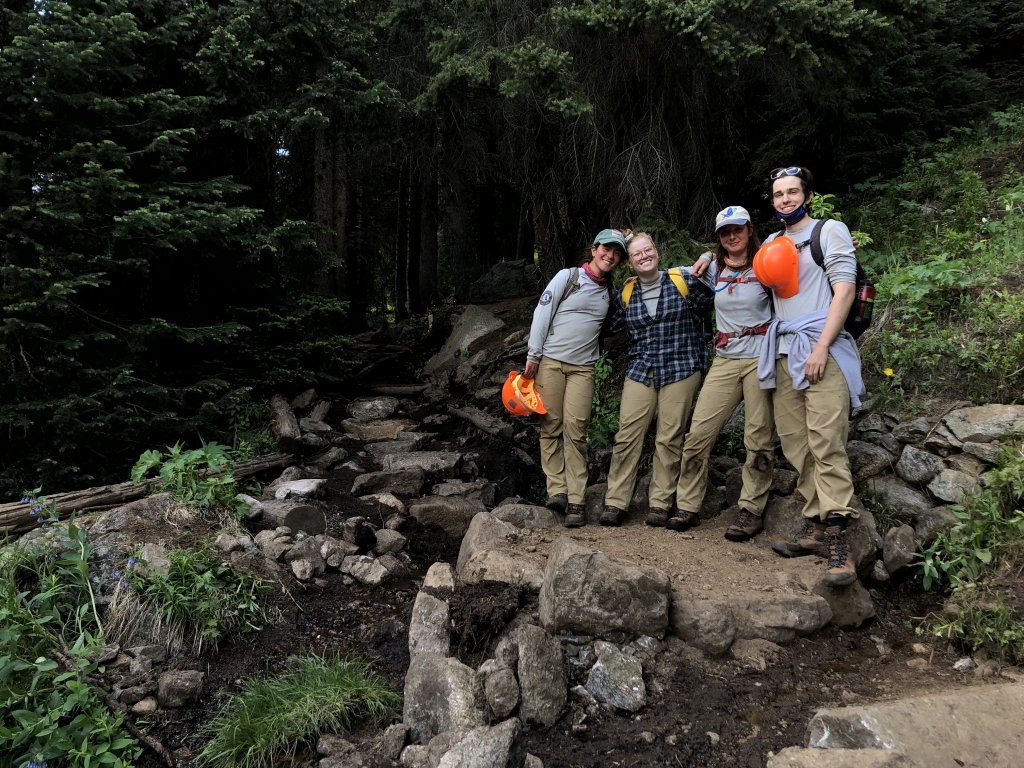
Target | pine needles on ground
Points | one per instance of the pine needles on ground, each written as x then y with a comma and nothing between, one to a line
273,715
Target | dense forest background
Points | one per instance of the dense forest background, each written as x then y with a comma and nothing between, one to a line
201,202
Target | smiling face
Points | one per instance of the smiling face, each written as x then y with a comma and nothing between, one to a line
604,258
735,238
643,256
788,194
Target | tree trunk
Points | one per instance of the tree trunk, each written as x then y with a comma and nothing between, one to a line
428,243
340,215
416,305
458,239
525,242
402,247
14,517
323,204
283,424
354,277
295,515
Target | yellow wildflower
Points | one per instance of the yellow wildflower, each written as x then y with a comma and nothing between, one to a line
887,371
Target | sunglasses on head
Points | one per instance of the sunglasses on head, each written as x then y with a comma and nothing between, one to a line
793,170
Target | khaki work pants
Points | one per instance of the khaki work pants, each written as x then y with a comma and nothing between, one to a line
673,404
813,425
728,382
567,392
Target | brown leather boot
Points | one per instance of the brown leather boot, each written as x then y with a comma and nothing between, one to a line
841,570
810,541
611,516
746,526
657,517
575,516
682,519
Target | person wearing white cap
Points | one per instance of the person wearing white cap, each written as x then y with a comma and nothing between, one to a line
562,352
743,310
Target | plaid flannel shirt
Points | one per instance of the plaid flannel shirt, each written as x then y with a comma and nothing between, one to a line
670,347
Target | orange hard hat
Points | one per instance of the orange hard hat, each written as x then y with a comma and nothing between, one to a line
519,397
775,266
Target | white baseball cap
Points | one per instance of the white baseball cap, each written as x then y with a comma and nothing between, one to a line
734,214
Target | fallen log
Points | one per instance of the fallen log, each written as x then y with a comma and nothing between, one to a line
14,517
284,425
483,421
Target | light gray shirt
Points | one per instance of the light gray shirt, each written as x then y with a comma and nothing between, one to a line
651,293
568,330
739,306
815,291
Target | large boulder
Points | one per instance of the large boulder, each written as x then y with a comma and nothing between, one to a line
867,460
179,688
372,408
506,566
506,280
481,490
436,464
428,626
407,482
892,493
985,423
950,485
543,683
783,520
451,513
851,605
930,523
495,747
473,324
441,694
387,429
917,466
899,547
588,592
526,516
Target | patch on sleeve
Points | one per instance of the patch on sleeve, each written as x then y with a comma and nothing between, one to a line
545,299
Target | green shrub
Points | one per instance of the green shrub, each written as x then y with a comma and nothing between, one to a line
983,620
272,716
192,476
604,418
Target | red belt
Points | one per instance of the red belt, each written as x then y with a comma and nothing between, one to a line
721,339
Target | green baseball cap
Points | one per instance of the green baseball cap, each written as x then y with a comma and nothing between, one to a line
609,236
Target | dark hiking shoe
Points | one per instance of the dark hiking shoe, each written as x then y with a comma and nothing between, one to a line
681,520
810,541
557,503
841,570
657,517
575,516
612,516
746,526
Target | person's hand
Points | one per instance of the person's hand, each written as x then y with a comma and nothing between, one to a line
815,368
530,371
700,266
856,243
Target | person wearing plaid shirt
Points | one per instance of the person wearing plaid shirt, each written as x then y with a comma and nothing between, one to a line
667,359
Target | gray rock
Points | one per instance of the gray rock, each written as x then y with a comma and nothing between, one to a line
437,464
502,691
428,626
135,694
146,706
255,507
942,441
733,485
593,502
850,606
384,501
481,490
140,665
313,440
485,532
713,503
225,542
899,547
892,493
315,426
334,552
155,653
334,745
800,757
389,448
392,741
639,505
358,532
892,445
335,455
532,761
303,570
987,452
153,555
866,460
969,465
395,567
439,576
389,541
506,280
473,324
441,694
496,747
928,524
526,516
286,476
301,489
372,408
451,513
784,481
304,399
587,592
985,423
507,566
179,687
917,466
616,678
783,520
405,483
758,654
912,431
542,677
307,550
878,573
389,429
950,485
365,570
873,422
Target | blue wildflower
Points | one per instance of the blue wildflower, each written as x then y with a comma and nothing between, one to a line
24,500
125,585
117,574
39,519
131,561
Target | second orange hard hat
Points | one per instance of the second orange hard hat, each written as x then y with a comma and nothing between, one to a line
776,267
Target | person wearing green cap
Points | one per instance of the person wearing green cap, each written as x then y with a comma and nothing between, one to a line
562,352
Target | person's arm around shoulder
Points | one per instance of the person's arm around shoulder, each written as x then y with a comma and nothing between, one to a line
840,262
543,314
701,297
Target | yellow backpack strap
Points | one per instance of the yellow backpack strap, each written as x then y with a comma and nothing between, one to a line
627,291
676,276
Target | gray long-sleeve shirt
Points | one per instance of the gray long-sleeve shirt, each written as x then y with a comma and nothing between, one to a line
569,331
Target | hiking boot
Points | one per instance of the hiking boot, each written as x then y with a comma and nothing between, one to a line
681,520
746,526
810,541
575,516
657,517
557,503
611,516
841,570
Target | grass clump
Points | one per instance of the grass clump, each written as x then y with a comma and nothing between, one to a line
197,602
273,715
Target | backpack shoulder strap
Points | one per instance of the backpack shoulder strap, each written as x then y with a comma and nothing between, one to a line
676,276
572,284
627,291
816,251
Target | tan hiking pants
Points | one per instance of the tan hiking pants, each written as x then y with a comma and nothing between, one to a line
728,382
813,425
567,392
673,404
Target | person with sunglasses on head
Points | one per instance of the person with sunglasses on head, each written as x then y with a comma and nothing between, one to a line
814,367
743,311
563,349
667,358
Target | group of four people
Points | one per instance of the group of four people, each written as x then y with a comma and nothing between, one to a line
788,358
